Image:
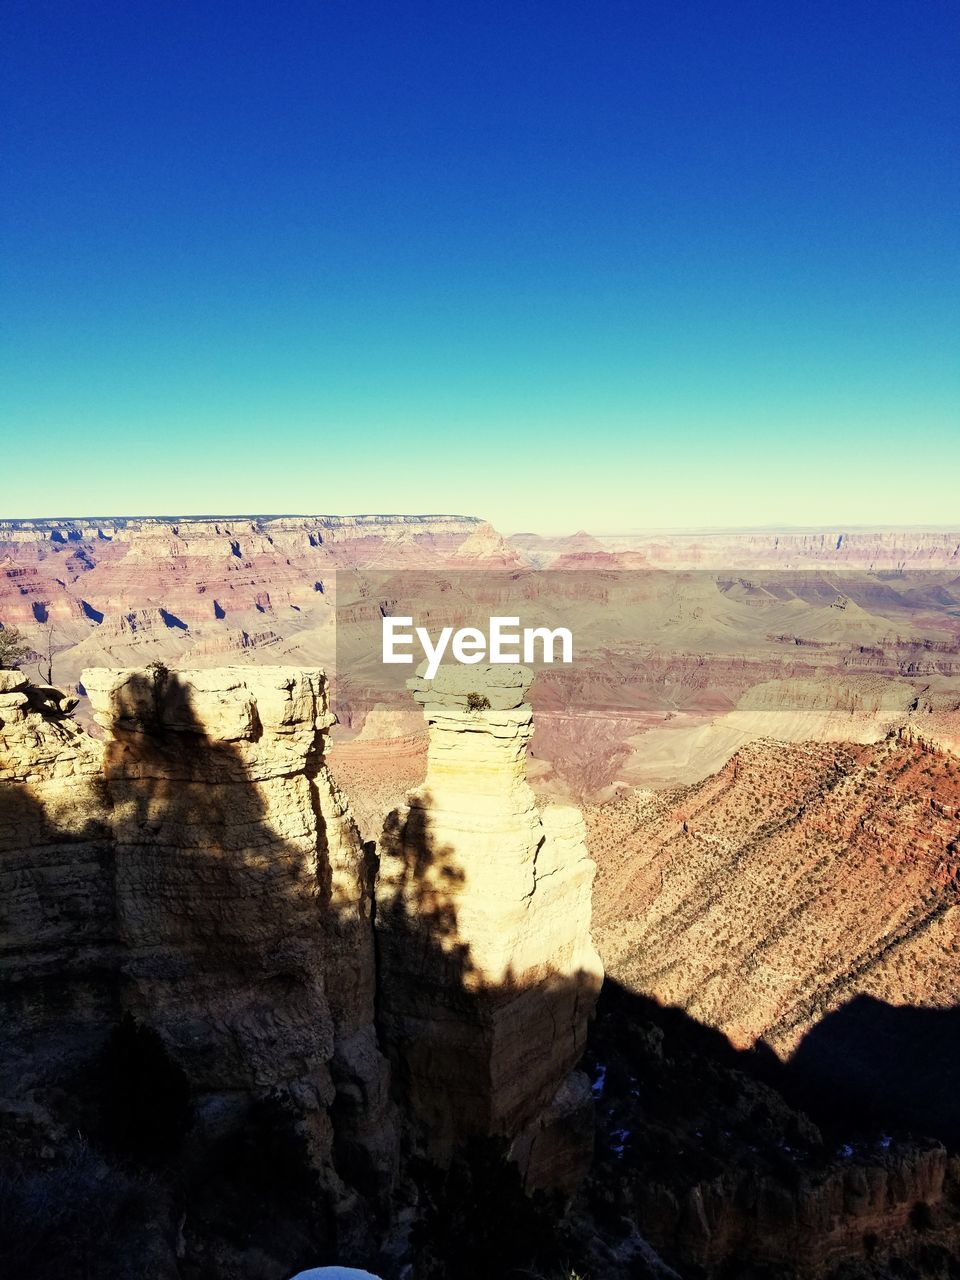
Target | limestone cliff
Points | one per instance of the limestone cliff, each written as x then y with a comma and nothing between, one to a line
188,957
56,887
487,971
199,871
243,893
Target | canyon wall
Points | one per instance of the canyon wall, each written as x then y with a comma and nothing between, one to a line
487,972
202,592
806,896
188,951
890,549
59,938
199,871
243,899
196,571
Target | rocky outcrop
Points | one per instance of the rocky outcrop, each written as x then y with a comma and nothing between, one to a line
199,871
699,1147
243,892
189,963
487,971
56,886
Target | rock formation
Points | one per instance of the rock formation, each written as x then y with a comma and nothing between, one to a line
703,1153
57,891
188,953
487,971
243,892
199,871
187,898
874,549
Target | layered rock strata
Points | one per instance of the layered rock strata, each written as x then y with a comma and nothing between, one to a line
186,898
199,870
57,931
487,972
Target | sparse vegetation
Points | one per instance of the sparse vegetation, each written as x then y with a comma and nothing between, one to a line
13,648
477,702
45,652
159,674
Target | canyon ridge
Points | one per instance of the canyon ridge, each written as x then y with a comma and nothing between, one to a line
299,964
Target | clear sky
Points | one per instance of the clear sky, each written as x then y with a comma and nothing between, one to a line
603,264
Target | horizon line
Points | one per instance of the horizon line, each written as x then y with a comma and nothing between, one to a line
679,530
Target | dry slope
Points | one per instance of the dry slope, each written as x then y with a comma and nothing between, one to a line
806,895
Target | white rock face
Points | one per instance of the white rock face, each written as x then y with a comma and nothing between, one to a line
488,972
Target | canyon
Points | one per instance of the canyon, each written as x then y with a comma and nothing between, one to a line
887,550
781,1027
687,645
189,959
805,899
342,927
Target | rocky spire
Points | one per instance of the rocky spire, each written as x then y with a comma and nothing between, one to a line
487,971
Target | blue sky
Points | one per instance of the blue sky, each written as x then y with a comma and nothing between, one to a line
604,265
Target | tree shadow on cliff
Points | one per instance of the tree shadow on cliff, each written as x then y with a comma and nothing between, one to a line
173,1001
239,951
419,903
474,1062
445,1021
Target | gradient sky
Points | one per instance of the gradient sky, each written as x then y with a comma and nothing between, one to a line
599,264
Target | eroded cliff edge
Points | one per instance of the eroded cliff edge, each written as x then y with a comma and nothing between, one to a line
194,1081
198,874
187,901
